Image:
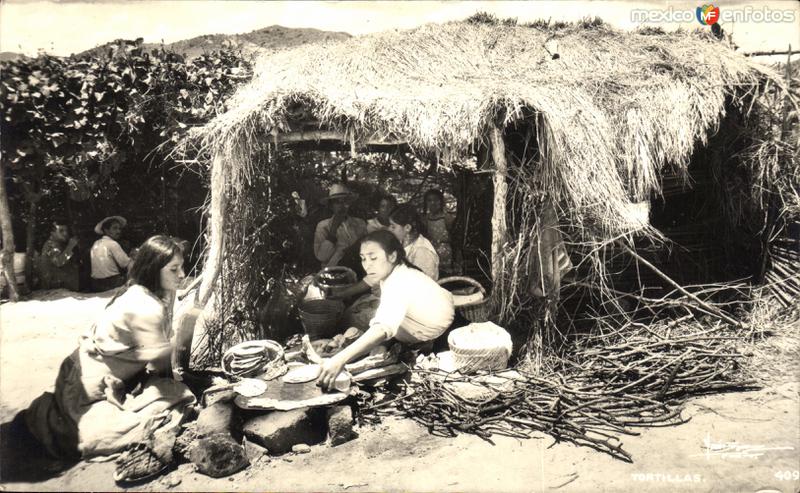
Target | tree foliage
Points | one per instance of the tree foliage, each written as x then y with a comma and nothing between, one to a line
77,131
79,119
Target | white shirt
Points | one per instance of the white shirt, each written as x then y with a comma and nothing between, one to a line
108,258
422,254
413,307
349,232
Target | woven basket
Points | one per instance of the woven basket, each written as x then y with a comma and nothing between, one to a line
474,310
480,346
271,367
320,318
333,290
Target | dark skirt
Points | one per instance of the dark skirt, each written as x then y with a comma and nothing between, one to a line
99,285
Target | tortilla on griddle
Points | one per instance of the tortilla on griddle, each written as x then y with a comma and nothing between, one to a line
302,374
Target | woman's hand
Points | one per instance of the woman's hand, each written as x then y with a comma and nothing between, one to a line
331,368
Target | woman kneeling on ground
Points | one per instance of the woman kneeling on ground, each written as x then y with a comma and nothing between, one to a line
116,388
413,308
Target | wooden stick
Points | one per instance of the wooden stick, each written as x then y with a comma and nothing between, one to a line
499,226
772,52
216,249
318,135
706,306
190,287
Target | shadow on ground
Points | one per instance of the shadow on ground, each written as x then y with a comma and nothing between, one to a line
22,458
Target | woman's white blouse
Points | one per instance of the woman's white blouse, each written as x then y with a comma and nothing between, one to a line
413,307
422,254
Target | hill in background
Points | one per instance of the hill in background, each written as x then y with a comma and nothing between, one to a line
7,56
268,38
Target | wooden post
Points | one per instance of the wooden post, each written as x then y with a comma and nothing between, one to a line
184,332
499,225
772,213
7,254
786,105
214,260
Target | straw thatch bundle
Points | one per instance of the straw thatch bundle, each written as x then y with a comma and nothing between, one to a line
613,108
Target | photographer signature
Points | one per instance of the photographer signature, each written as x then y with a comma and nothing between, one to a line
735,450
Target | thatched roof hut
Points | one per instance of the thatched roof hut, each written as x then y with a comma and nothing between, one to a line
615,107
609,110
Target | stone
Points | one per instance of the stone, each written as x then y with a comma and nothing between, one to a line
223,395
301,448
185,440
254,451
217,455
278,431
340,425
214,419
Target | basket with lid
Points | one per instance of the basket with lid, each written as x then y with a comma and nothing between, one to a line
480,346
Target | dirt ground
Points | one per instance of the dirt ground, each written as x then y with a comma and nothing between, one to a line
744,442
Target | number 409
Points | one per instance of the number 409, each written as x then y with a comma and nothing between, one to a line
788,475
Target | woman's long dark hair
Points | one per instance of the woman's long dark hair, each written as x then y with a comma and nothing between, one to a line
389,244
153,255
407,214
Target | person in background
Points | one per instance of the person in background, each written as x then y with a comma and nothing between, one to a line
438,225
386,204
112,392
406,225
413,308
109,260
57,265
332,236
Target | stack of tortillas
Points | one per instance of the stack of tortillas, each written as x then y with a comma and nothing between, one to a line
254,358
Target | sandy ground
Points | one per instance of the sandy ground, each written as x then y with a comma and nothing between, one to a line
398,455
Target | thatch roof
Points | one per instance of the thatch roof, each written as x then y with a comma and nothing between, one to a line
614,107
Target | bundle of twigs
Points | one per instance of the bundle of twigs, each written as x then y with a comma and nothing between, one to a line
783,278
533,404
661,362
631,377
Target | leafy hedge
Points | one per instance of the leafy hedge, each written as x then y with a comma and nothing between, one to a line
78,132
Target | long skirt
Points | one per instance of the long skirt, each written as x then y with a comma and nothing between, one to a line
72,424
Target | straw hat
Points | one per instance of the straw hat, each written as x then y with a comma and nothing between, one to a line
99,227
338,191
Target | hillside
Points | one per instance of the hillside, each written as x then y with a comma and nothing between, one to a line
7,56
271,37
268,38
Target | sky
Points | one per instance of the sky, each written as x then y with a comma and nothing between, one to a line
66,27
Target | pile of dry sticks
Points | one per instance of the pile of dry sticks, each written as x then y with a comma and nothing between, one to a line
632,377
783,278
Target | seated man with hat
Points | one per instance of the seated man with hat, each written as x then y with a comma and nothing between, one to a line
58,265
334,235
108,257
